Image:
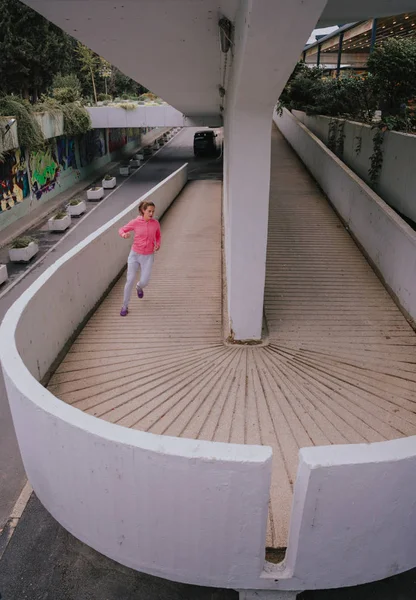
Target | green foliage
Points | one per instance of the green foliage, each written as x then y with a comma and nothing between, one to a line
376,159
60,215
28,129
75,202
65,95
148,97
22,242
103,97
90,63
127,106
66,88
390,85
32,50
308,89
67,81
392,66
76,117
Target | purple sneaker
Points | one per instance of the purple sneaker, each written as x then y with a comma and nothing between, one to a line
124,311
140,292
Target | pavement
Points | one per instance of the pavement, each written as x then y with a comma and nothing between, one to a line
44,562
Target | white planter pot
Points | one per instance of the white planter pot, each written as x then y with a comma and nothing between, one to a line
139,156
23,254
135,163
3,274
125,171
59,224
95,194
77,209
109,183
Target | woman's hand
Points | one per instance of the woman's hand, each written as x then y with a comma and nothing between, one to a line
125,235
157,247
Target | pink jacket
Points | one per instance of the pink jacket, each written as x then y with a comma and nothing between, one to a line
146,234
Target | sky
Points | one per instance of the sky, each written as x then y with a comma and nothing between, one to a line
323,31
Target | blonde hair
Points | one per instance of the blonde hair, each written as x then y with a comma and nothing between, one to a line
144,204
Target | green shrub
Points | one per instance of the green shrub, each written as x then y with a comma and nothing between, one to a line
22,242
128,106
60,215
65,95
28,129
392,66
104,97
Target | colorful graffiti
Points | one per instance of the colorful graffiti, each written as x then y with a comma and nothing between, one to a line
45,171
71,156
14,182
117,139
61,151
92,145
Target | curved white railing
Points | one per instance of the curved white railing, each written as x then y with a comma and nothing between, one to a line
182,509
188,510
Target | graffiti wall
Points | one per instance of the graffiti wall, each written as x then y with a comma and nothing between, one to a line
71,156
14,182
117,139
58,166
44,170
92,145
133,134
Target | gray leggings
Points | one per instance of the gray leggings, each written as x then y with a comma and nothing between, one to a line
145,262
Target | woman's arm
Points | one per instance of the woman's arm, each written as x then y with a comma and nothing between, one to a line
124,231
158,238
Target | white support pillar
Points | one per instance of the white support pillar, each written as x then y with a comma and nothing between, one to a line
268,40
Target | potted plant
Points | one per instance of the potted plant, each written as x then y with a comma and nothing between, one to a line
125,169
76,207
139,155
60,221
109,182
3,274
147,151
134,162
23,249
95,193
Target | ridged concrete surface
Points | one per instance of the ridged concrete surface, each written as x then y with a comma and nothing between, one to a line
339,367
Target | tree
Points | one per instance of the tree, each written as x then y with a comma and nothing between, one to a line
66,88
32,50
89,63
392,66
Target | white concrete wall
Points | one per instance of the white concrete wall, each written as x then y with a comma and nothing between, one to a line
145,116
182,509
9,139
52,125
397,182
354,514
387,240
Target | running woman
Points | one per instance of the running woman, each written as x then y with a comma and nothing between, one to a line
147,240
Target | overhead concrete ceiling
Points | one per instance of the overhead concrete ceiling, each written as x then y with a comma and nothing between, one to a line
172,46
339,12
